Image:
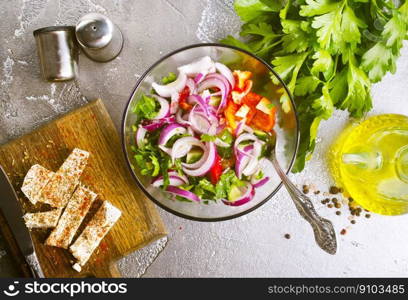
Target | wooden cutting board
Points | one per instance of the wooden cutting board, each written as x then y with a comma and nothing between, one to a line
89,128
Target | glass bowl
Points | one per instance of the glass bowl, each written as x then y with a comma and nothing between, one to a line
286,128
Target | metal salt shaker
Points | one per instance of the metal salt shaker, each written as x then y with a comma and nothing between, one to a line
99,38
58,52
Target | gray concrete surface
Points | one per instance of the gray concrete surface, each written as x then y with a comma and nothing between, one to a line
250,246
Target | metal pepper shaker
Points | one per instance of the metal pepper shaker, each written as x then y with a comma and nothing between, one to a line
58,52
100,39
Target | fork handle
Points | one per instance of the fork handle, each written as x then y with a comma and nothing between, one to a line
324,233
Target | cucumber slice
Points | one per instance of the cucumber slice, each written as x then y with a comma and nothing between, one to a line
194,155
261,134
234,193
215,100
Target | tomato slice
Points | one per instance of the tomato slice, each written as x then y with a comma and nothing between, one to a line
264,121
216,170
240,78
230,112
251,99
183,95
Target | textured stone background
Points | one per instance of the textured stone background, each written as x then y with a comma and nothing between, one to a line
252,245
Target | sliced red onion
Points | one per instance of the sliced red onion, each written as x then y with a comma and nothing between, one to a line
199,122
173,87
245,157
200,101
165,149
140,136
224,94
180,119
241,162
251,168
198,78
198,163
238,130
241,138
164,110
206,166
183,145
182,193
248,148
221,143
260,182
245,198
245,137
174,103
191,86
203,65
169,131
241,127
220,128
190,131
175,173
216,94
226,72
155,124
221,78
213,128
209,82
206,95
174,180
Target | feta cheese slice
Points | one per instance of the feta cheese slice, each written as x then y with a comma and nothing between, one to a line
59,189
265,106
72,218
34,182
100,224
47,219
242,111
77,267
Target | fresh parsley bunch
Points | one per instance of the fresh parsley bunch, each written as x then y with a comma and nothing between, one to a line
329,52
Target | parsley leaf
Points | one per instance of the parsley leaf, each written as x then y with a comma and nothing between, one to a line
329,52
265,39
169,78
207,138
204,189
306,85
146,108
296,38
323,105
323,64
224,185
251,9
288,67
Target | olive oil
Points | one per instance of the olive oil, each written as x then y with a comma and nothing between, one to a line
370,161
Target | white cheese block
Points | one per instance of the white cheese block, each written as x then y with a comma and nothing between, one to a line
59,189
94,232
77,207
265,106
77,267
237,96
47,219
34,182
242,111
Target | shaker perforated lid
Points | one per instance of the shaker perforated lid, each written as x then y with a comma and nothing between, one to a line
99,38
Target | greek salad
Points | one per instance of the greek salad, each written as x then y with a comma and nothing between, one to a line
201,135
